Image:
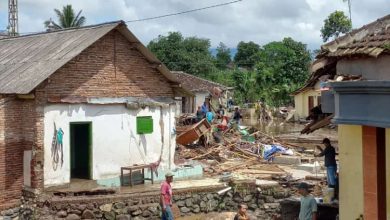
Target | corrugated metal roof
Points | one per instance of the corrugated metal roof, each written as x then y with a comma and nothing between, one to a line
26,61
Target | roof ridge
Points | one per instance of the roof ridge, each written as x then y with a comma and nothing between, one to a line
188,74
66,30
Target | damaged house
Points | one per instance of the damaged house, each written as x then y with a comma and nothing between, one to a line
201,89
306,98
80,104
357,66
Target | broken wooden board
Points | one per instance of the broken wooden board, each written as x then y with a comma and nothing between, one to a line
252,171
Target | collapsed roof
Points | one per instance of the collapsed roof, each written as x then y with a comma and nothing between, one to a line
371,40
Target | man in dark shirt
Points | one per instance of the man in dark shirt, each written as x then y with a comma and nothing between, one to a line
237,115
330,161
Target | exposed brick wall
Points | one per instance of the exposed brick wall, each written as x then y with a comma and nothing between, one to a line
38,146
16,133
111,67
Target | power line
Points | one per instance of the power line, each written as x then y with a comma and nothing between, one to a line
167,15
184,12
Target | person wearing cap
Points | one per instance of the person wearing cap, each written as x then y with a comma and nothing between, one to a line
308,209
166,197
330,161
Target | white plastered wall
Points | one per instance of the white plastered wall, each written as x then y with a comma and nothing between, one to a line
115,142
301,101
200,98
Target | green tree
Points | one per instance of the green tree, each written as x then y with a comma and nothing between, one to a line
66,19
244,84
246,54
223,56
336,24
282,68
189,54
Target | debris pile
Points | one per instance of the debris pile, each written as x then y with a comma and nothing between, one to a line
229,142
226,150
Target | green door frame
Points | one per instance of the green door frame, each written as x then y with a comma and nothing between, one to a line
90,149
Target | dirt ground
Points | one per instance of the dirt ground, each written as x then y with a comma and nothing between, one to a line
210,216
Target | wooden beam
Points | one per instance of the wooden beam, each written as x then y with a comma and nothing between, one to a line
26,96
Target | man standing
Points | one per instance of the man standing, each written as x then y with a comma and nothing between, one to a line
166,197
205,107
241,214
308,210
237,115
330,161
230,104
220,112
199,114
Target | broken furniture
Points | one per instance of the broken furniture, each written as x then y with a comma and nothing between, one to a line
138,167
193,133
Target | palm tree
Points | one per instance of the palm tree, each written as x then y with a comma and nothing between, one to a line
66,19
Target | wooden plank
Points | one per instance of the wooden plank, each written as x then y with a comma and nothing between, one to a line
253,171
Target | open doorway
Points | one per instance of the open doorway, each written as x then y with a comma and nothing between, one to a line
81,150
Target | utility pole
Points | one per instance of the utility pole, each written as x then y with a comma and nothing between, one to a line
349,9
350,12
13,28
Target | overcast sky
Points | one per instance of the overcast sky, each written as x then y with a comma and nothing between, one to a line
260,21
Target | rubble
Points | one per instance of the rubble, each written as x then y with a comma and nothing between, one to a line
247,153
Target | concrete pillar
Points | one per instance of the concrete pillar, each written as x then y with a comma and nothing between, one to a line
374,173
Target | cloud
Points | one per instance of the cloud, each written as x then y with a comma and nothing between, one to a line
260,21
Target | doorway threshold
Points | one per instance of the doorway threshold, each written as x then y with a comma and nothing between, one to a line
80,187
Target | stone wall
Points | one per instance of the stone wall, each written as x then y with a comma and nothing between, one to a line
263,203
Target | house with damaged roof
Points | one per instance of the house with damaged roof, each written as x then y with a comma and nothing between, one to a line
357,94
306,98
200,89
81,103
